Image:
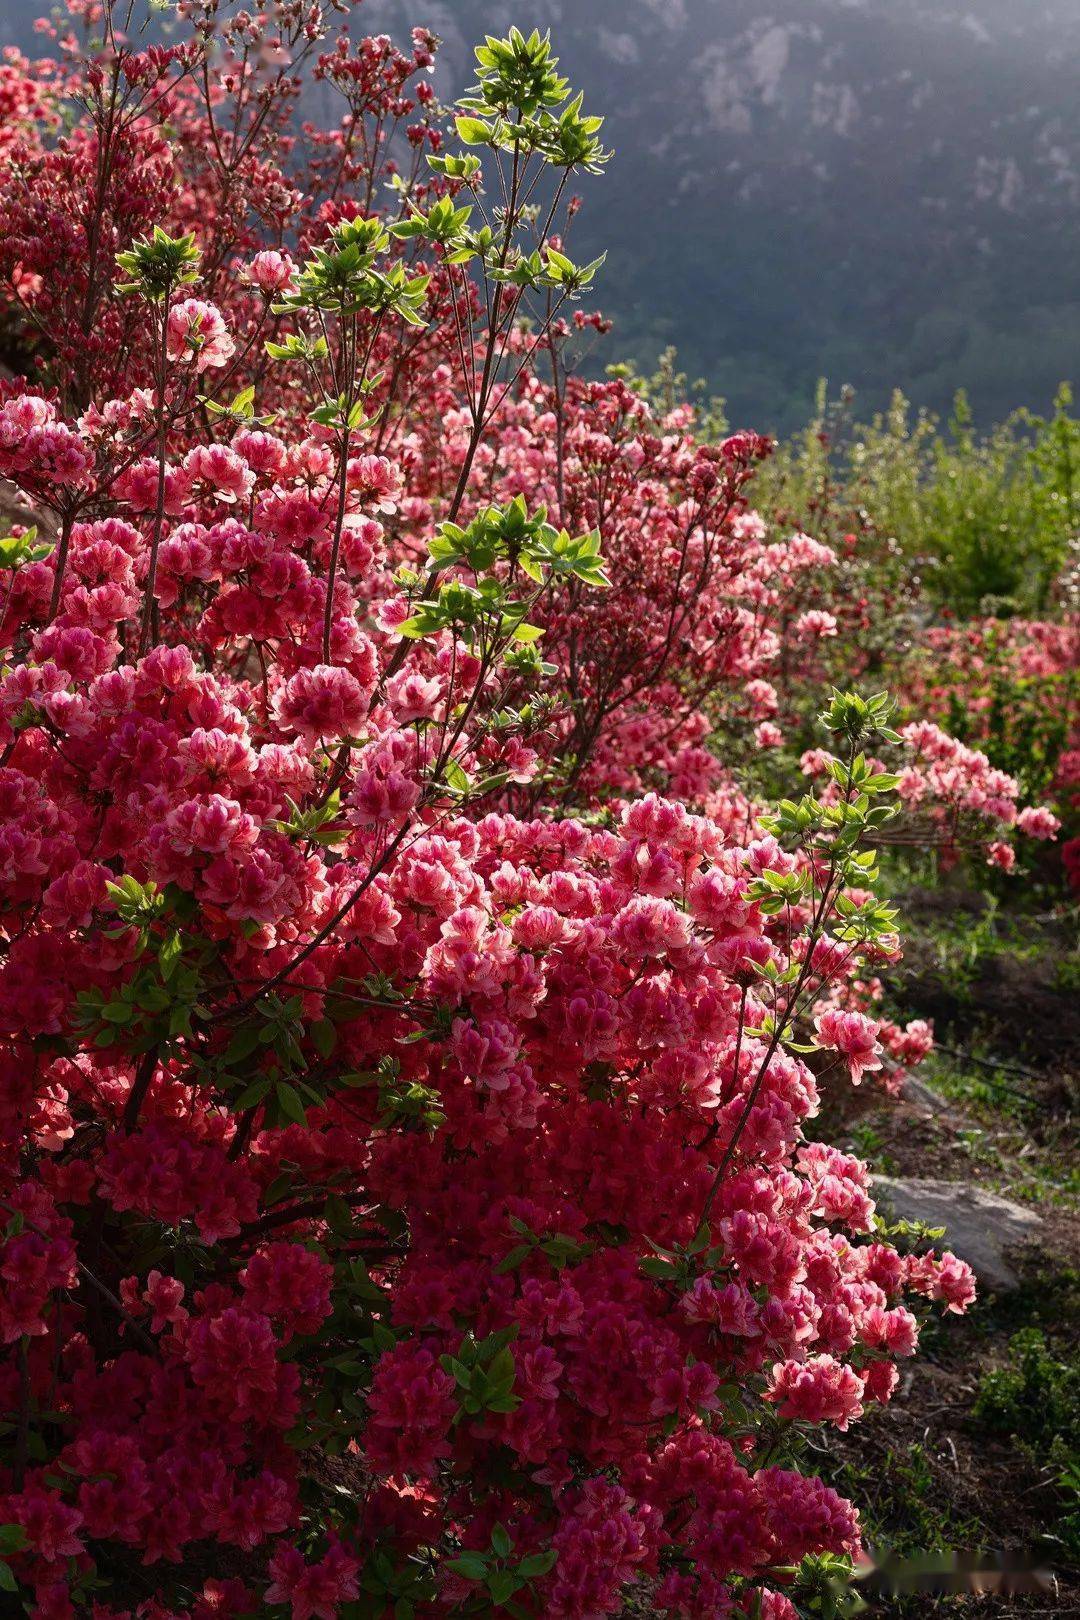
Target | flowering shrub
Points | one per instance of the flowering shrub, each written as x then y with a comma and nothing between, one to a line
938,541
1011,686
407,1200
956,790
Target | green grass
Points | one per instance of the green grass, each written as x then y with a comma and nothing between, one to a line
1034,1399
900,1505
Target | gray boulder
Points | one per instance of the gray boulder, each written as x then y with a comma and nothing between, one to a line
981,1227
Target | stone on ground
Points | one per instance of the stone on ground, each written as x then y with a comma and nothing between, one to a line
981,1227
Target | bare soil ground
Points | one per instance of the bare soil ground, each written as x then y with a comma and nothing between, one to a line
997,1107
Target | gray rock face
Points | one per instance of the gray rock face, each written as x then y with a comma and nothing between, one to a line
981,1227
876,191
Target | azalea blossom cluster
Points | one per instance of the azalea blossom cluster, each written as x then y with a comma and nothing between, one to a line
960,794
1031,649
593,1075
408,1195
1010,686
1001,692
847,1019
686,638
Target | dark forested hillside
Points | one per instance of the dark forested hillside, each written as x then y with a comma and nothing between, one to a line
885,191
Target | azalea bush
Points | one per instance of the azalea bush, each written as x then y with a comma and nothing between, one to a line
413,1018
1012,686
986,706
986,697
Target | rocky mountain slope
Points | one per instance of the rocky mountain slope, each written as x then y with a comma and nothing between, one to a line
882,191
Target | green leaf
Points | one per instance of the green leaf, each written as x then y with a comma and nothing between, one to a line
471,1566
169,953
514,1258
455,777
473,131
502,1370
251,1095
357,1078
502,1584
324,1037
338,1215
501,1542
653,1266
290,1103
414,629
13,1539
243,1043
537,1564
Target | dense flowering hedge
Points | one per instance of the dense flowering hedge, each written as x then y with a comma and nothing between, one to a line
1011,686
410,1037
910,519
